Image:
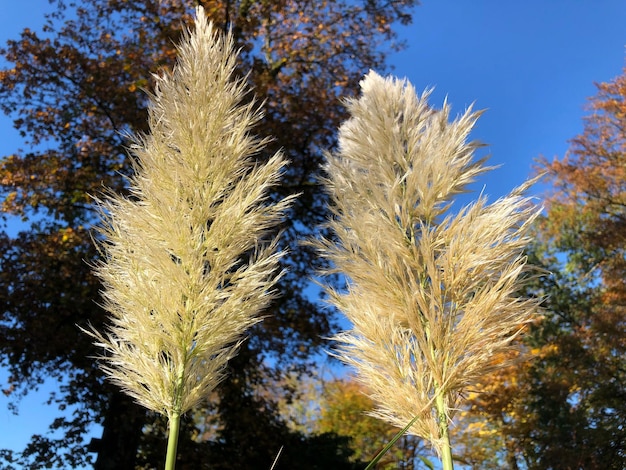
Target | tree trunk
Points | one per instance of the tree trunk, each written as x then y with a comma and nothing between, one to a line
123,424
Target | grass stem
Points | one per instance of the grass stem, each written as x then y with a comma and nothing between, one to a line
172,441
446,448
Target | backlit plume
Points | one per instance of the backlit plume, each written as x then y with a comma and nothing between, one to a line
189,258
432,295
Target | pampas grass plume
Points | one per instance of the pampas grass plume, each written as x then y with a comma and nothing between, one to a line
188,261
432,295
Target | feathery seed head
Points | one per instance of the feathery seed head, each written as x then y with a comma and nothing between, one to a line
432,296
188,263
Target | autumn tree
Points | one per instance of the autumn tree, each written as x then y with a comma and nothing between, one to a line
566,407
586,222
326,405
73,90
343,410
483,437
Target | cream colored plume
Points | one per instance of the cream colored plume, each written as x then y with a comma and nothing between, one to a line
188,259
432,295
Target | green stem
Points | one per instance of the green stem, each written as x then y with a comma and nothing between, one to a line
174,419
442,417
442,414
172,441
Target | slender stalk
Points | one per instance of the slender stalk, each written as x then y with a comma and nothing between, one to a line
390,444
172,441
174,420
442,417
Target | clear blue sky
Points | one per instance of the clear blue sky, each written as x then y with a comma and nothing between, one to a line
530,64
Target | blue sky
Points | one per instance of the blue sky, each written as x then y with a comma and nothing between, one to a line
531,65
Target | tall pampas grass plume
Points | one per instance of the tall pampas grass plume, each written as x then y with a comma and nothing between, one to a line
189,259
432,295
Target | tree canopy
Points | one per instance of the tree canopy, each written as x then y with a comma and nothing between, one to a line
74,89
564,407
